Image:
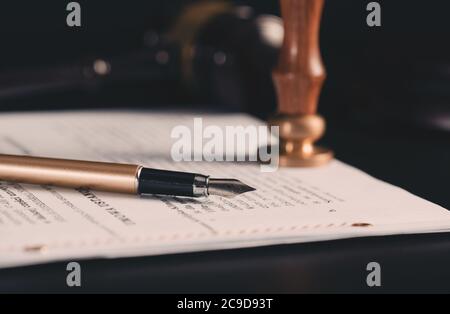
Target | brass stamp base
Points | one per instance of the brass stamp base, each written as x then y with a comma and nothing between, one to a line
298,134
318,157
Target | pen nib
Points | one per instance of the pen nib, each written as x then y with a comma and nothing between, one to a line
227,187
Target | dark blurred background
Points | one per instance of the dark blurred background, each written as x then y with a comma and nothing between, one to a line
220,54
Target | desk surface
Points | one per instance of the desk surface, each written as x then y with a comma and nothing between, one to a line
415,160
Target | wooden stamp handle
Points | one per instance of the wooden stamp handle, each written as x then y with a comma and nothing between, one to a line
300,73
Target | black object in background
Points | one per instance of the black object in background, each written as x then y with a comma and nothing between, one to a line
137,59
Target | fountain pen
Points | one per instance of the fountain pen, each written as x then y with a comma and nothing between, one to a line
114,177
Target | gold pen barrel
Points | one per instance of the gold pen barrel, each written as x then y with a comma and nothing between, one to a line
110,177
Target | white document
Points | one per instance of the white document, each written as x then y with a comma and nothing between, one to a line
41,224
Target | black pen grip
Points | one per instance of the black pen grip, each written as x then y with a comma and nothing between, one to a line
154,181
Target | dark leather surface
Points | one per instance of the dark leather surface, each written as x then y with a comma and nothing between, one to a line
416,160
408,264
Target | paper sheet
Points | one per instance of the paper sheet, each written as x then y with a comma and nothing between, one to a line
41,224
